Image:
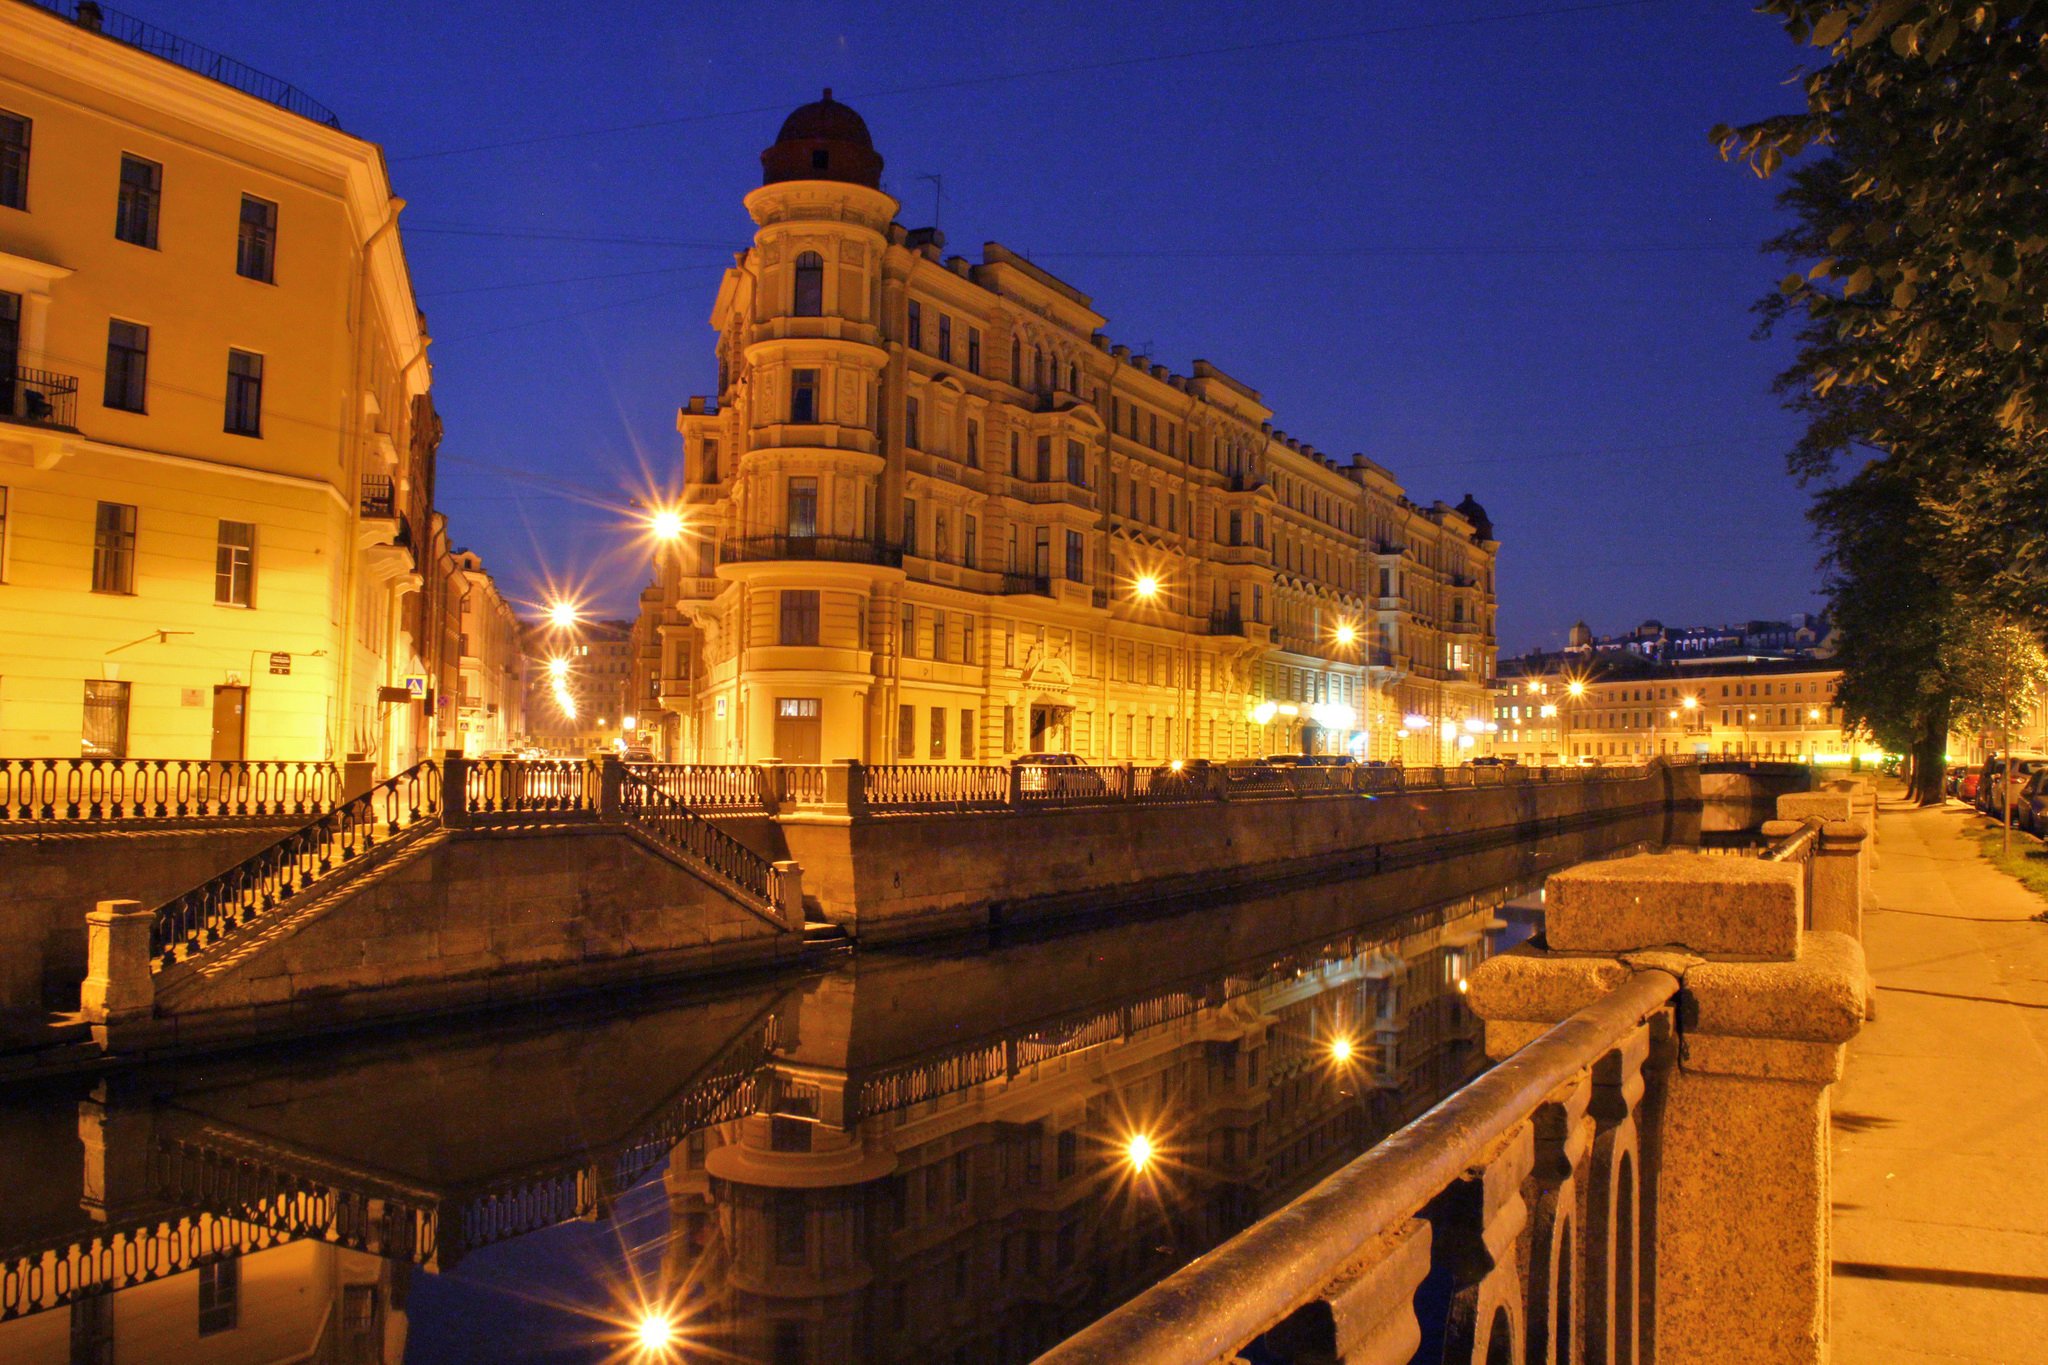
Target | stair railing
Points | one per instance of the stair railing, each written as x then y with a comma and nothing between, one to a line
267,878
681,829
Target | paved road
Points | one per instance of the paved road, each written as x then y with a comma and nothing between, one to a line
1941,1123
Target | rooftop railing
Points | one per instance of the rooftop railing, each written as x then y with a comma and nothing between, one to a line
126,28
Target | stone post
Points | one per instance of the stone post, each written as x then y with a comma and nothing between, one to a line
846,787
1736,1148
119,989
358,775
768,790
1016,787
611,786
1129,778
455,789
789,894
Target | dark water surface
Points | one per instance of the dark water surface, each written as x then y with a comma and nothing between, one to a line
958,1153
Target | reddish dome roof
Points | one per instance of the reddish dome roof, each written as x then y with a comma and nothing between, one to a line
823,140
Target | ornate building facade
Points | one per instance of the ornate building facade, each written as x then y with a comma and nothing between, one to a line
216,436
933,514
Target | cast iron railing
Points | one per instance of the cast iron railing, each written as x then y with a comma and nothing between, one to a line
835,549
906,787
724,787
266,879
126,28
669,821
503,786
1523,1201
379,498
162,788
40,398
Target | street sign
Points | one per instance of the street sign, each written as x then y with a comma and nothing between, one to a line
416,684
280,663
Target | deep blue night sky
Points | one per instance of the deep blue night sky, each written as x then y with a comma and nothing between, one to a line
1495,253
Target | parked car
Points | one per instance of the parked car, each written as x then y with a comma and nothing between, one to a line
1309,760
1490,761
1966,785
2030,808
1991,789
1056,773
638,754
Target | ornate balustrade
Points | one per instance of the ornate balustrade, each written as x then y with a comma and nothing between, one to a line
261,882
508,786
1520,1201
723,787
897,788
87,789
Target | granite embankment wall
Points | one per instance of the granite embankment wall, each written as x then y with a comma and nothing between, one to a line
51,875
460,918
907,876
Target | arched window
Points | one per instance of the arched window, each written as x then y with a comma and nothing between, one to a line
1037,368
1073,378
1016,362
810,285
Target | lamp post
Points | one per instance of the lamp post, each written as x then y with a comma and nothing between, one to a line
1147,588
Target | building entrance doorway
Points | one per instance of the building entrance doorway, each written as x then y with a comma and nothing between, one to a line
798,730
1049,729
230,724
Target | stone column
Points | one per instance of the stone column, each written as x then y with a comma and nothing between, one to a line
119,990
611,784
1735,1148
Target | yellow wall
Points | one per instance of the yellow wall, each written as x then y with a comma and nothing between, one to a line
343,356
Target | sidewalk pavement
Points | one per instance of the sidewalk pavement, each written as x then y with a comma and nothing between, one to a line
1941,1122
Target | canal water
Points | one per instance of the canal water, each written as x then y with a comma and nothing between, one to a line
955,1153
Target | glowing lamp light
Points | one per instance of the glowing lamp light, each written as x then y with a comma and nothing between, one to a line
1813,715
1263,713
1474,725
655,1331
1138,1152
1415,721
1691,703
558,667
1347,634
1464,986
1671,715
1450,729
1466,741
562,615
1177,765
1147,586
667,524
1576,688
1340,1050
1550,712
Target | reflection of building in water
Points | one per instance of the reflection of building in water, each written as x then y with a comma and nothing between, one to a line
980,1203
300,1301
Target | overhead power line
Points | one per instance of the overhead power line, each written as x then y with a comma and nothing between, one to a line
1065,69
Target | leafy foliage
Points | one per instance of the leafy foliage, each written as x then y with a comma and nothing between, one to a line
1921,309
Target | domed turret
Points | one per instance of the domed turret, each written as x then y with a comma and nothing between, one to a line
1581,636
823,140
1470,510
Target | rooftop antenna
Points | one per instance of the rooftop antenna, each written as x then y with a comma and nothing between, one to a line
938,189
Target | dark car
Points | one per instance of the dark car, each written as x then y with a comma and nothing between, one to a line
1056,773
1991,789
2030,807
1310,760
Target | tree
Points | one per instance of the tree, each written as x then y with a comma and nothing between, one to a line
1923,247
1921,312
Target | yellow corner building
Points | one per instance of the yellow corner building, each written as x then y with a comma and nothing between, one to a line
215,434
934,515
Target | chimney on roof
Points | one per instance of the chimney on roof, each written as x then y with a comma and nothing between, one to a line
89,16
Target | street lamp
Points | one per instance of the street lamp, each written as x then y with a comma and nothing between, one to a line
562,614
666,525
1148,588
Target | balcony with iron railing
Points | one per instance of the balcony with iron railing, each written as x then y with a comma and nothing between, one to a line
218,66
830,549
1027,584
39,398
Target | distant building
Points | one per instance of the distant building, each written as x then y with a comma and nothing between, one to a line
934,514
491,690
1622,708
590,667
216,440
1801,636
